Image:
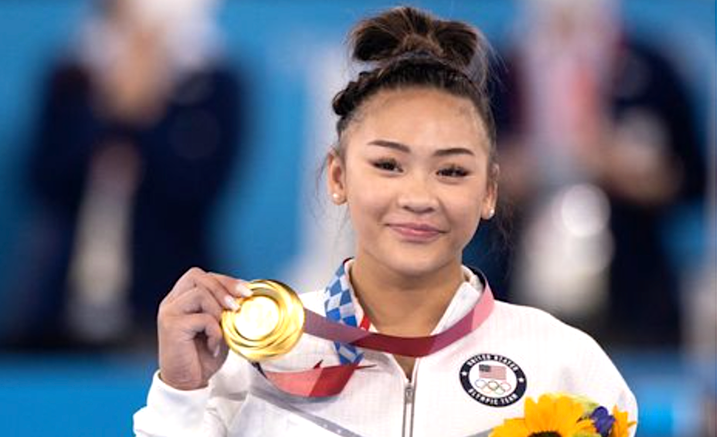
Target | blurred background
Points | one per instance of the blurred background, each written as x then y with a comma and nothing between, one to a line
140,138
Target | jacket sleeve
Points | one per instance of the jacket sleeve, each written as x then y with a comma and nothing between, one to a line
207,412
178,413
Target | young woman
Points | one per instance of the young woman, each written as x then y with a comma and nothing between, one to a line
414,164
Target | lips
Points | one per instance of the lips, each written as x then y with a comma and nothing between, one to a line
416,231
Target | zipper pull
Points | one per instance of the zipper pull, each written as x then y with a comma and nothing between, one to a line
409,393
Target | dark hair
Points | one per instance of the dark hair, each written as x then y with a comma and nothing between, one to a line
408,47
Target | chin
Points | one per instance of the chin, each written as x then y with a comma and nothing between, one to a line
416,263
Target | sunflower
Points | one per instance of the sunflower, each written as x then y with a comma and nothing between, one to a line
621,426
551,416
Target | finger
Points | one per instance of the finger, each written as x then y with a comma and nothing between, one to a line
204,324
238,287
185,283
215,341
190,326
199,300
223,296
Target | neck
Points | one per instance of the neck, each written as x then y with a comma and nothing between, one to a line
404,304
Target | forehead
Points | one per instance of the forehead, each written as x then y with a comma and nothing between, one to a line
422,117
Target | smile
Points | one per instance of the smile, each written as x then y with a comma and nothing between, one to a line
416,232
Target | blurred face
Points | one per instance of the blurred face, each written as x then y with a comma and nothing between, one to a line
415,178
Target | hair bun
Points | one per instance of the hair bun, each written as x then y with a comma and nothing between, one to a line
404,30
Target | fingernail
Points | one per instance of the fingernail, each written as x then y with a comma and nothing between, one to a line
231,303
243,290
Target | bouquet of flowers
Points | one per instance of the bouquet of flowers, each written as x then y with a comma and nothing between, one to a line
562,415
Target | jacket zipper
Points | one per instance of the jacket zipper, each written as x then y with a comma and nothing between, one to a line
408,410
409,403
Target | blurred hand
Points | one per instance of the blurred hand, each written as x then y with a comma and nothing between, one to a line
631,159
643,178
191,346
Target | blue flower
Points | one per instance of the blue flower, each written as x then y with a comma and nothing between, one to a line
602,420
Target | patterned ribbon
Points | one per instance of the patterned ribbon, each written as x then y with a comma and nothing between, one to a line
339,308
343,331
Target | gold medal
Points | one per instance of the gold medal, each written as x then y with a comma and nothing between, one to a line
268,324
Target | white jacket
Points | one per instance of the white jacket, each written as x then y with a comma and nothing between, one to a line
463,390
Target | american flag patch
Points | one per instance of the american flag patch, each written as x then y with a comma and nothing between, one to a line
492,372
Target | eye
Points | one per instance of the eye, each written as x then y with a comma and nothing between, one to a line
386,165
453,171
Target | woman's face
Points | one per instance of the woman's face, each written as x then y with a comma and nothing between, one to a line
415,178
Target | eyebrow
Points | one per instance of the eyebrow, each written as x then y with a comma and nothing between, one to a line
406,149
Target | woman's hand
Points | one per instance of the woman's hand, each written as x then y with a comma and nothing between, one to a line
191,346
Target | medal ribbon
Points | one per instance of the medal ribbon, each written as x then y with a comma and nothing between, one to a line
330,381
340,308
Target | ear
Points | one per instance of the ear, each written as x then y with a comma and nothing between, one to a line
491,196
336,178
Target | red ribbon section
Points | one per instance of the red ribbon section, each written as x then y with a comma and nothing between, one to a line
330,381
314,383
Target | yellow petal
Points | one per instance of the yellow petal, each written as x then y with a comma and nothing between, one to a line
511,428
621,426
538,416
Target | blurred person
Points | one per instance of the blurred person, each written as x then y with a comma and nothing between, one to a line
597,144
414,164
136,137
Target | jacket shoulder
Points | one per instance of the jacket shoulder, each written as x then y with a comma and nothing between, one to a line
530,320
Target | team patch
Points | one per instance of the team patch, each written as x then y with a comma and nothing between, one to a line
493,380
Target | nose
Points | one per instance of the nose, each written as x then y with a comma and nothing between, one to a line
417,195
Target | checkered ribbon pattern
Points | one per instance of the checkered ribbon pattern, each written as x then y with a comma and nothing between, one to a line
339,308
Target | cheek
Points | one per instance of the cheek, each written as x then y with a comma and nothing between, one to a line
367,200
464,211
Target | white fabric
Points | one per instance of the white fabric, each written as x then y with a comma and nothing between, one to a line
240,402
